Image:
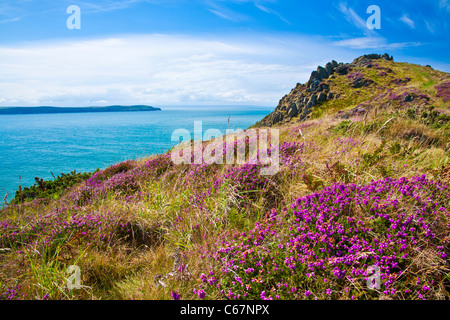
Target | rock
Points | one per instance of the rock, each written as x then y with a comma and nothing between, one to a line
292,112
334,64
361,82
321,97
408,98
342,69
330,96
322,86
323,74
329,68
277,117
387,57
313,99
313,78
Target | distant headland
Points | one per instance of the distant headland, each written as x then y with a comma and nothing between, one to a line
45,109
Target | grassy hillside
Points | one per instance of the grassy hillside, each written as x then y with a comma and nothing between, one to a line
363,182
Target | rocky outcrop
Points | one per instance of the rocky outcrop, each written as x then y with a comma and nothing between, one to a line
305,97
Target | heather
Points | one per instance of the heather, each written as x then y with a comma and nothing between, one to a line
362,184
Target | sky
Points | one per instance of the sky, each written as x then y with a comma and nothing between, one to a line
200,52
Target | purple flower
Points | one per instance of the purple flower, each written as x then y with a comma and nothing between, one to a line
201,294
175,295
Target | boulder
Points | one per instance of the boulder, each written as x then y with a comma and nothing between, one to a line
408,98
277,117
330,96
334,64
323,74
329,68
360,83
321,97
387,57
342,69
313,99
292,112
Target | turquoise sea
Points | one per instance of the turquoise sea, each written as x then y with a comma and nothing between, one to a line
36,145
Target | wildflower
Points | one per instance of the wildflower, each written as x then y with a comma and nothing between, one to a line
175,295
201,294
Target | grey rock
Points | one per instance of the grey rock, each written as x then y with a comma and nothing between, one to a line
334,64
387,57
323,74
329,68
330,96
313,99
341,69
408,98
292,112
321,97
277,117
361,82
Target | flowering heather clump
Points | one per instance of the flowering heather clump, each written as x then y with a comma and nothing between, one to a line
354,76
324,244
382,74
12,294
399,82
158,165
92,228
245,178
290,153
396,97
110,172
443,91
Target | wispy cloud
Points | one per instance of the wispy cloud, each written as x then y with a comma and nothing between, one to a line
430,27
374,43
221,15
271,11
408,21
445,4
147,69
352,17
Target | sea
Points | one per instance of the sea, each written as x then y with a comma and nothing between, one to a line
37,145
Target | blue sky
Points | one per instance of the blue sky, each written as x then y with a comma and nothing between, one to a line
176,52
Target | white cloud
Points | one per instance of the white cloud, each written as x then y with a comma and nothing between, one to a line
408,21
159,70
374,43
355,19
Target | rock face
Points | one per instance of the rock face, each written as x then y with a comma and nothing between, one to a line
304,97
361,82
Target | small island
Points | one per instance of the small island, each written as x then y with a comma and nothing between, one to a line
45,109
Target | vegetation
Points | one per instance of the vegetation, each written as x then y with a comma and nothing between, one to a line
368,192
49,189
